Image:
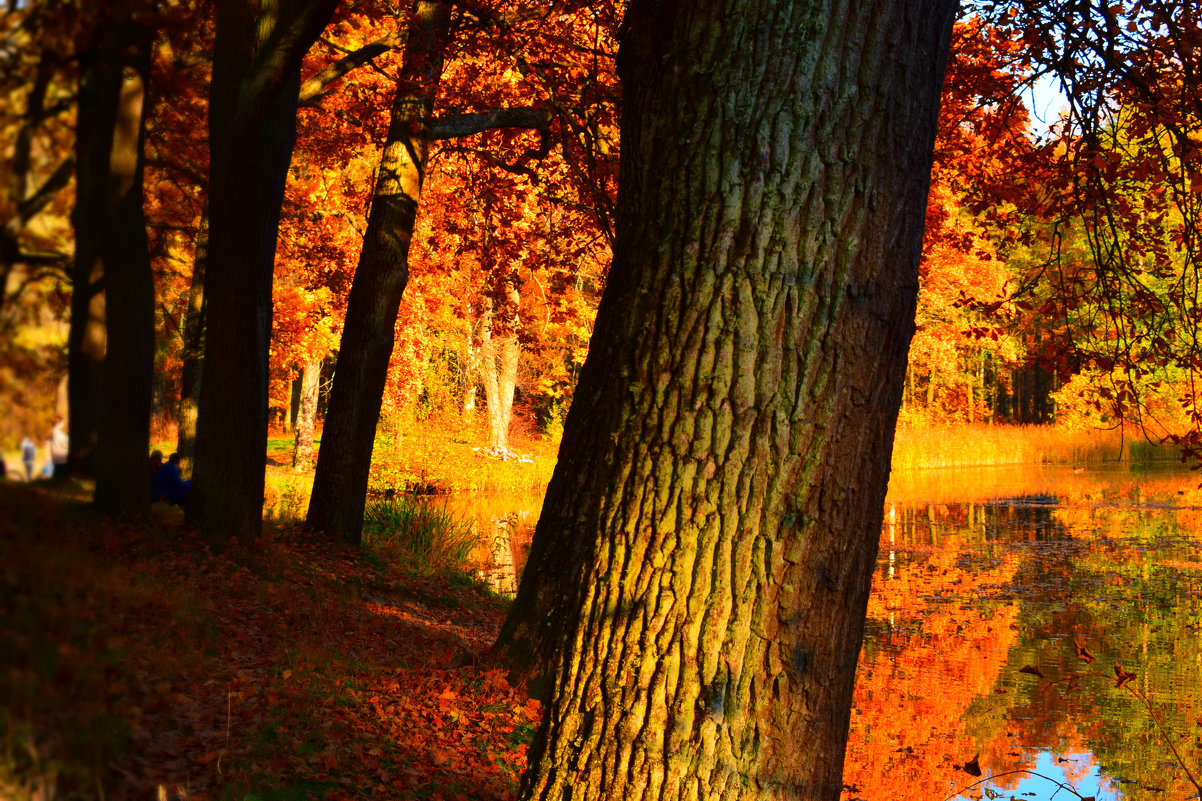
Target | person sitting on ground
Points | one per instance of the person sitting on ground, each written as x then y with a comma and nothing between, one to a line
168,485
156,461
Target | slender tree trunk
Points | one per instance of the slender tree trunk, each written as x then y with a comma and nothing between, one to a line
699,576
252,129
340,482
499,358
302,454
969,369
128,372
192,370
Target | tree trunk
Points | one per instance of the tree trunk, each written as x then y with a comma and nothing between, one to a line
344,462
252,129
302,454
499,370
969,369
86,335
192,370
128,371
700,573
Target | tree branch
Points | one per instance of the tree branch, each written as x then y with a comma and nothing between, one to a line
316,87
31,205
281,55
467,124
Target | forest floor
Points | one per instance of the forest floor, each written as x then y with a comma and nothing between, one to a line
138,664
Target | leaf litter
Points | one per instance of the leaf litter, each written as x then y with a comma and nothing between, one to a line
150,667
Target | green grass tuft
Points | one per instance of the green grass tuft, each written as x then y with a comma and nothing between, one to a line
419,534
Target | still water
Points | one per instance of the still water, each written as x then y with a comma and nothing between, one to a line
982,573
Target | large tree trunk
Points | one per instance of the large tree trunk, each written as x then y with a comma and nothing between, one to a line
344,461
252,129
192,351
700,573
128,372
111,340
302,453
86,335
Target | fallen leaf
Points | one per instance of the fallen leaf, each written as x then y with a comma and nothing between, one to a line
972,767
1082,652
1123,675
1034,671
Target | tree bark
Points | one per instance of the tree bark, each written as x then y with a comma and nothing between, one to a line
700,573
252,129
192,369
344,461
86,335
128,371
302,454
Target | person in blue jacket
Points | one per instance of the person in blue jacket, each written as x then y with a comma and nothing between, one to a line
168,485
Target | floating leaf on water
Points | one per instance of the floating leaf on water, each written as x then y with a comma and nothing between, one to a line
1123,675
1034,671
1082,652
972,767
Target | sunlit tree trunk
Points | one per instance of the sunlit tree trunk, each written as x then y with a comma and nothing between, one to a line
302,454
499,357
340,482
192,350
969,378
252,129
699,576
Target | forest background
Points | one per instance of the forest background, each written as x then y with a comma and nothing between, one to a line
512,242
435,264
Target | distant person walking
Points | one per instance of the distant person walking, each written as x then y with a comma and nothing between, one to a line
56,445
29,455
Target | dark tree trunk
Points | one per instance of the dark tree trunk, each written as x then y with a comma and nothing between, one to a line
700,574
252,128
111,356
306,419
128,371
344,461
192,369
86,336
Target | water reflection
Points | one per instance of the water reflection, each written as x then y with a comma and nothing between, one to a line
970,589
504,525
980,574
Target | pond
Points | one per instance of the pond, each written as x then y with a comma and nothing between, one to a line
982,574
985,573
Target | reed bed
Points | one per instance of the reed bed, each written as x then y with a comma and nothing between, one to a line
924,447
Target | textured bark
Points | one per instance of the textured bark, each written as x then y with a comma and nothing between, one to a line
302,453
252,129
128,371
192,355
344,461
708,537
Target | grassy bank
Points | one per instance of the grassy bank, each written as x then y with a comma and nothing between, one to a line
142,665
917,447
